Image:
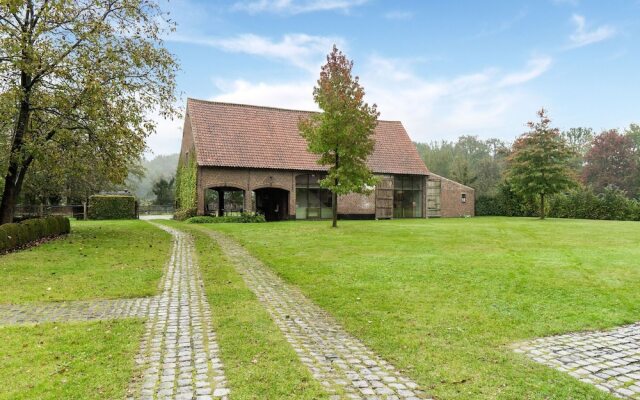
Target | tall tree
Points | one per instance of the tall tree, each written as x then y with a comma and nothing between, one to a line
461,172
633,131
539,165
342,135
80,77
163,189
579,140
612,161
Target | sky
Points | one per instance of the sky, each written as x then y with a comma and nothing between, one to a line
443,68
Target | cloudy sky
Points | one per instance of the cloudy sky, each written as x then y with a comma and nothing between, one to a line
442,68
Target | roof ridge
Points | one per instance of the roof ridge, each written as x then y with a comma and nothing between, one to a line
269,107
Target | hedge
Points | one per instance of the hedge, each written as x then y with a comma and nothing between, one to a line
16,235
242,218
612,204
112,207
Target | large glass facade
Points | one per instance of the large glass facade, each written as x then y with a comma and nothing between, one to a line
407,196
312,201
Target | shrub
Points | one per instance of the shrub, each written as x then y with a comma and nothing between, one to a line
586,204
112,207
242,218
201,220
17,235
506,202
182,215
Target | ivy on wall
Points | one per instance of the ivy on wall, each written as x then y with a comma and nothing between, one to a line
185,185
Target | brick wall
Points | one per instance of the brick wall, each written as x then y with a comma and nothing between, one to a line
352,204
357,204
451,202
187,139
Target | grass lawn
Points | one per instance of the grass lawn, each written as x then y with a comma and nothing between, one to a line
68,361
258,361
99,259
443,299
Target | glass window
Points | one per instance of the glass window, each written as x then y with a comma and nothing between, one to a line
312,201
301,203
407,196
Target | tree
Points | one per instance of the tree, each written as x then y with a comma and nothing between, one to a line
612,160
461,172
164,191
540,162
342,135
80,77
438,156
633,131
579,141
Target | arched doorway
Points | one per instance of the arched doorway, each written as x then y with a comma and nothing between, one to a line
273,203
219,201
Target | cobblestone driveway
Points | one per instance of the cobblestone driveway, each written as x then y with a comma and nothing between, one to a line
338,360
179,354
12,314
610,360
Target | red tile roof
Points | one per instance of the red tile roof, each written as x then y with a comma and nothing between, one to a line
238,135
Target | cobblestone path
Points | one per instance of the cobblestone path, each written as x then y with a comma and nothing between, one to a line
339,361
179,355
610,359
69,311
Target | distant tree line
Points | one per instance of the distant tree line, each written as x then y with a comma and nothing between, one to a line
576,173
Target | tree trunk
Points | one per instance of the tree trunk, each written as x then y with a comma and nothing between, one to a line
9,199
334,207
16,172
334,196
542,206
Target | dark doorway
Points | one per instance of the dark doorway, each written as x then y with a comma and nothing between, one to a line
273,203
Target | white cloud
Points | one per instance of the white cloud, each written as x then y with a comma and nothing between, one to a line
167,137
582,37
535,67
488,102
294,95
301,50
295,6
399,15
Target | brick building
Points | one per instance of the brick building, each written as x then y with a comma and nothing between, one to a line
252,158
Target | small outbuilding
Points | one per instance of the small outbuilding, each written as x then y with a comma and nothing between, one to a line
251,158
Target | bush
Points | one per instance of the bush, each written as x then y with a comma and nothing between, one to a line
112,207
506,203
205,219
584,203
242,218
181,215
17,235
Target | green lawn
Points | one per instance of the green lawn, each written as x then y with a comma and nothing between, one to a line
68,361
258,361
99,259
443,299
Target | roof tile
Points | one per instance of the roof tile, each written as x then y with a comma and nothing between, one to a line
237,135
